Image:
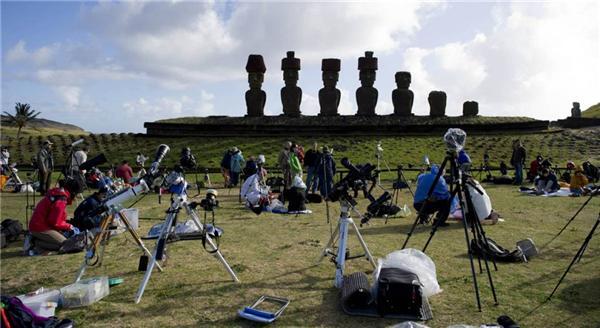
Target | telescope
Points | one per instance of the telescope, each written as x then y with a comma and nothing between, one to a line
94,162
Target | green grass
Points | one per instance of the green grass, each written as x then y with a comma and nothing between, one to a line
562,145
274,254
592,112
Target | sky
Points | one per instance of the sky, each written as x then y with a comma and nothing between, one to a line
111,66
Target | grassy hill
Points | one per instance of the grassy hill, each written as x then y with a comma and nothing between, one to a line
39,127
561,145
593,111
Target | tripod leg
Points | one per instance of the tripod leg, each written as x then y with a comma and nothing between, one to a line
137,238
209,241
363,243
330,243
158,249
412,229
91,251
571,219
341,255
578,255
471,261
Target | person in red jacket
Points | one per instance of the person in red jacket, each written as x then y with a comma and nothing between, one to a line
124,172
48,225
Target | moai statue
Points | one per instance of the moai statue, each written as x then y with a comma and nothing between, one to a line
437,103
470,108
329,95
576,111
366,95
402,98
255,97
291,94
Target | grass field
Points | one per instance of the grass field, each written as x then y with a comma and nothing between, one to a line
562,145
274,254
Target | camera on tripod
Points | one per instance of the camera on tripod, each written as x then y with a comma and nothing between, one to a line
209,203
356,179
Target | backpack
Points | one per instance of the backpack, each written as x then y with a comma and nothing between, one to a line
75,243
12,229
591,171
398,293
20,315
495,251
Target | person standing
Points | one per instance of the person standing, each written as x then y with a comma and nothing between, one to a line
295,164
517,160
312,159
326,172
237,162
140,159
284,164
78,158
226,167
45,163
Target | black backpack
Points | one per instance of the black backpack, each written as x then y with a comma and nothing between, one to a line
399,293
76,243
591,171
494,251
12,229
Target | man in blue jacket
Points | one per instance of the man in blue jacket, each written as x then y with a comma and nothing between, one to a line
438,202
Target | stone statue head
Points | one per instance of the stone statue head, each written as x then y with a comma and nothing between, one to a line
255,80
256,71
290,66
331,71
367,66
403,80
576,105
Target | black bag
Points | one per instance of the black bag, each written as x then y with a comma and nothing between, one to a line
296,199
399,293
19,315
12,229
314,198
591,171
75,243
495,251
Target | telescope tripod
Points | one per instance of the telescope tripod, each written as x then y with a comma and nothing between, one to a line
578,255
340,235
400,179
167,233
470,220
101,239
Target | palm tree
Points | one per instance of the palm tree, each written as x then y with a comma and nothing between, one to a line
23,114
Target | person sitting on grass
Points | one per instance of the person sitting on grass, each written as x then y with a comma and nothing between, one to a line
439,201
546,182
578,182
48,224
85,216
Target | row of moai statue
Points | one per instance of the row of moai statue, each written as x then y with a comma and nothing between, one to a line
329,95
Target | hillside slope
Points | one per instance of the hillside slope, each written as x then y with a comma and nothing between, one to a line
592,112
39,126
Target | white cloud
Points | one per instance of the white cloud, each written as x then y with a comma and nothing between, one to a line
201,45
69,95
537,60
40,56
166,107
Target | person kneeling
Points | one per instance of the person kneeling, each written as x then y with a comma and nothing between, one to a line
48,224
438,201
546,182
86,216
255,192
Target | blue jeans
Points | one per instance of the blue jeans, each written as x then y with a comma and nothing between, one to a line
519,174
312,179
234,178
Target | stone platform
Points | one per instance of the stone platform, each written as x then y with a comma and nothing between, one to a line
342,125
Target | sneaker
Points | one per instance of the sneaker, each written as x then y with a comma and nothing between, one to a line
27,243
